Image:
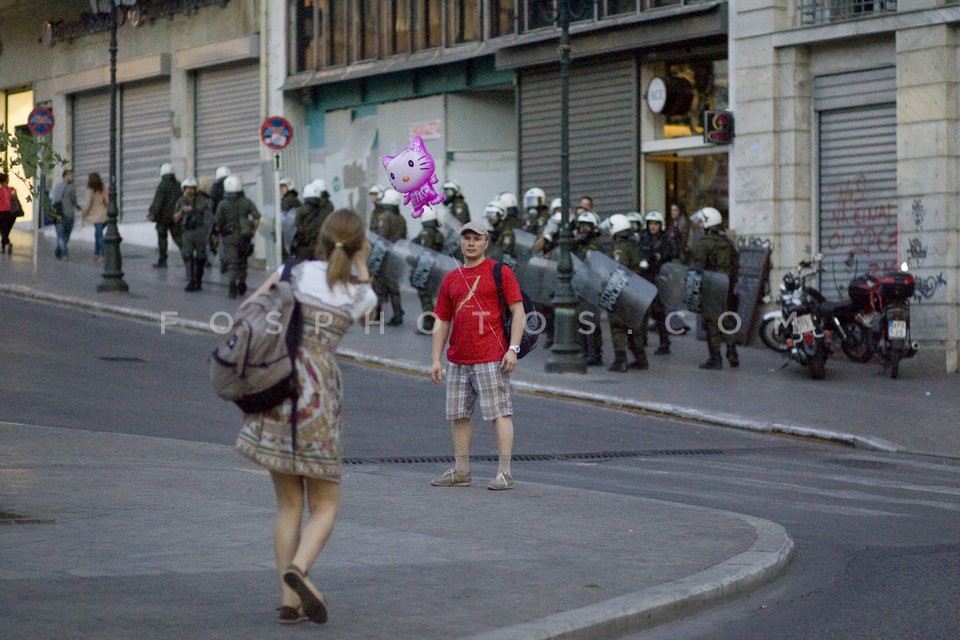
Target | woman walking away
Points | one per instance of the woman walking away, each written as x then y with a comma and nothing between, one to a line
305,464
95,212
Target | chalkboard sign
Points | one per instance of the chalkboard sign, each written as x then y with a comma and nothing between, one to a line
751,286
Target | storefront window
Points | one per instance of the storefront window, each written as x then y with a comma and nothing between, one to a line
432,22
687,89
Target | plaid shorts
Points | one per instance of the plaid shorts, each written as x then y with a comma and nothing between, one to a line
466,383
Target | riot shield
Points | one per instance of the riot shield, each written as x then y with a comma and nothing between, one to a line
703,292
599,280
451,230
538,278
384,262
427,267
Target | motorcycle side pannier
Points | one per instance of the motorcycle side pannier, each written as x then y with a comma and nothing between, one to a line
859,291
897,284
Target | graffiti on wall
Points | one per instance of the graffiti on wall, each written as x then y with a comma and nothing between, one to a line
919,213
863,226
927,286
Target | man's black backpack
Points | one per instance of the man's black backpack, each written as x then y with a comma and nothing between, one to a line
531,326
253,364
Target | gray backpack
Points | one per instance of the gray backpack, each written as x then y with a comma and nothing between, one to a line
253,364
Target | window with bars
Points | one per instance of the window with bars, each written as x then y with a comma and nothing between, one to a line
328,33
815,12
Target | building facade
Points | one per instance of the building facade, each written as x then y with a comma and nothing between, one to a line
845,111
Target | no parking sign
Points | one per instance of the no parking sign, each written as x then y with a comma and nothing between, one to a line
40,121
276,132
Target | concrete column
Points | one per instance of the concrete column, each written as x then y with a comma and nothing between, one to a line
927,179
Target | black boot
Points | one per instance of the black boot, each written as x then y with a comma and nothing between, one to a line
191,265
161,262
242,288
397,318
640,360
233,290
732,357
714,362
619,361
198,274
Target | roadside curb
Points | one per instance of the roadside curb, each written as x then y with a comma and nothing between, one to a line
766,558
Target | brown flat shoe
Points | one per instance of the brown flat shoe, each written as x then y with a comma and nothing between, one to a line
311,600
291,615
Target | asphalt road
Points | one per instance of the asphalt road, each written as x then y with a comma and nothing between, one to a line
877,534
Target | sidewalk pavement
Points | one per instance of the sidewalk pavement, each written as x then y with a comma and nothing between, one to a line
124,543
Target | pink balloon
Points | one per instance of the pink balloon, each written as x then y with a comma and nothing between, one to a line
412,172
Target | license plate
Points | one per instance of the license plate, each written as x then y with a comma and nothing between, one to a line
897,329
805,324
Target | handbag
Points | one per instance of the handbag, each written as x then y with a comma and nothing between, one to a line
15,205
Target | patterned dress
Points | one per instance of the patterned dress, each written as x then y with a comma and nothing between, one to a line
266,438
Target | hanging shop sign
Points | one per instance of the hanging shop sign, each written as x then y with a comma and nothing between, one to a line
669,96
718,127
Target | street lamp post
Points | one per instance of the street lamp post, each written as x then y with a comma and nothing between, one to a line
113,263
565,356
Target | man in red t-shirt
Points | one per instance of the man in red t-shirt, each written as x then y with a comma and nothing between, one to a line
479,359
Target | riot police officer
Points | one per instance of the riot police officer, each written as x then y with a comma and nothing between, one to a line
392,227
430,237
195,217
374,193
590,335
453,200
716,252
161,212
310,217
626,253
289,197
656,248
535,207
237,221
503,217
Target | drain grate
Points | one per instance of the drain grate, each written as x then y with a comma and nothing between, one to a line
859,463
15,518
540,457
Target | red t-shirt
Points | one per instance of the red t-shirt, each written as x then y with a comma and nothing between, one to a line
468,300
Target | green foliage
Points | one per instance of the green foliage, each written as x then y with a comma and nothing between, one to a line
31,154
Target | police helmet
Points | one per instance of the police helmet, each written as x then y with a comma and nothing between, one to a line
654,216
534,197
188,182
507,200
710,217
492,209
390,198
287,182
222,172
233,184
428,215
311,191
634,217
452,186
166,168
618,222
321,185
589,217
556,203
375,190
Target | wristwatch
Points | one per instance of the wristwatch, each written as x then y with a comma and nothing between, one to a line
515,348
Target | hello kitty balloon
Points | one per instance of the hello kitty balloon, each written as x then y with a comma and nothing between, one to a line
412,173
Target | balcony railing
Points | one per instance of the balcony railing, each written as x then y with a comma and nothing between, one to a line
814,12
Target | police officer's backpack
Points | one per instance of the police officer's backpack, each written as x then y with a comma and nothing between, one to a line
531,322
253,364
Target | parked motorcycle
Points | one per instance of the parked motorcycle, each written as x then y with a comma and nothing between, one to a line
799,324
848,320
891,327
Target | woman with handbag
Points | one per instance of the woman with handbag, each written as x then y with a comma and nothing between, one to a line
10,210
305,461
95,212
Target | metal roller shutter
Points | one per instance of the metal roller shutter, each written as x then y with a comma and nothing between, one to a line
144,145
91,138
228,120
603,133
857,119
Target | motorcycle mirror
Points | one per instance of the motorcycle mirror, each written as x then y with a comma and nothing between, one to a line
904,266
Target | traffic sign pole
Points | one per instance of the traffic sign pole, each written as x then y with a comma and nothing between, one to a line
276,132
40,122
278,218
